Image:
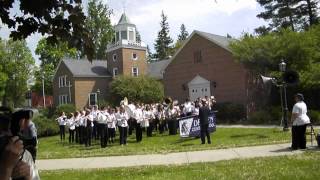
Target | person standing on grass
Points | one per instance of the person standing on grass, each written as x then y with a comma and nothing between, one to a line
88,128
72,126
122,118
204,112
112,121
82,129
299,120
148,117
102,127
62,120
77,125
139,118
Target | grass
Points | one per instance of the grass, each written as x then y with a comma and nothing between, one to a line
51,147
299,167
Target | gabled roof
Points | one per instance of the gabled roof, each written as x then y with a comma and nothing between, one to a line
156,69
124,19
198,80
221,41
84,68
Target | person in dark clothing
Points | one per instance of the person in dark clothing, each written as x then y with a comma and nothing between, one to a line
204,112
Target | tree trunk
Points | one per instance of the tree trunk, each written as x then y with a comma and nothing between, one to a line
311,15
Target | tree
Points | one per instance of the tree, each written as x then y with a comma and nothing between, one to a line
294,14
59,20
163,42
17,63
183,33
3,75
98,23
138,36
50,56
137,89
149,55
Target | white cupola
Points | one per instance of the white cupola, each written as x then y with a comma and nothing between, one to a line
125,30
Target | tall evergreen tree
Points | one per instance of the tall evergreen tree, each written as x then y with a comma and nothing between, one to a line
138,36
163,42
99,25
294,14
149,55
183,33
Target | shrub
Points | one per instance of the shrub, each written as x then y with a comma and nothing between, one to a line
230,112
314,116
260,117
46,126
67,108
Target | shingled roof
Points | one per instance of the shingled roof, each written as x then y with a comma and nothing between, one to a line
219,40
156,69
124,19
84,68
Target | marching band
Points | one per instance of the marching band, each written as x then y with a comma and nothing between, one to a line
103,123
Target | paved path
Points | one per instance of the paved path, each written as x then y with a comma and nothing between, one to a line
166,159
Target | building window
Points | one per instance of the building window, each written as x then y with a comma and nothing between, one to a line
115,72
135,72
63,81
134,56
63,99
124,35
114,57
197,55
131,35
93,99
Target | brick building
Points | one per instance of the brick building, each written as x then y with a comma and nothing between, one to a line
204,66
82,83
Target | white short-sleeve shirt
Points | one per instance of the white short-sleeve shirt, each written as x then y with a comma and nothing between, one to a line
300,108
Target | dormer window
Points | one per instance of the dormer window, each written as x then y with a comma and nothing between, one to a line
114,57
134,56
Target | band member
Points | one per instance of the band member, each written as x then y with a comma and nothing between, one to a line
62,123
139,118
88,128
82,128
29,134
300,120
204,112
132,122
161,116
122,119
188,108
71,124
148,117
102,127
172,114
112,121
94,113
77,126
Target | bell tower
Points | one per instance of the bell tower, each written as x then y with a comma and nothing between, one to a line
126,54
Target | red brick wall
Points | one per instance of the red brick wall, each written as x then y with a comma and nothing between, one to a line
217,65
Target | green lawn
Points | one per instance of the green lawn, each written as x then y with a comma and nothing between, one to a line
51,147
299,167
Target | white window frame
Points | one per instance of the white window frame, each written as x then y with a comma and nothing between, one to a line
96,99
113,72
137,71
114,57
63,99
136,58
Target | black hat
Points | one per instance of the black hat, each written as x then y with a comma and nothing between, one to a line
300,96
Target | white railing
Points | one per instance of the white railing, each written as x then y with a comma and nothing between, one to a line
126,43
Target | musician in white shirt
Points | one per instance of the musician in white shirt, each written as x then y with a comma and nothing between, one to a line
122,119
62,123
94,113
72,126
77,126
102,127
88,124
148,117
139,118
82,129
188,108
112,121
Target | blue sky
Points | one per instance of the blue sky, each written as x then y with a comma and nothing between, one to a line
224,17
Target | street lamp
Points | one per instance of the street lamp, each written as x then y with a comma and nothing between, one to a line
284,103
98,93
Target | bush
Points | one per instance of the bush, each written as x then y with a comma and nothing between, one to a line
67,108
46,126
230,112
272,115
314,116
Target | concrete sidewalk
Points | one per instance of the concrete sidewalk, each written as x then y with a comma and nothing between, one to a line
166,159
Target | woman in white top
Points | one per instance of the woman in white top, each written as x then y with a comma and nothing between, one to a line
299,120
122,119
139,118
148,117
77,126
62,120
112,121
72,126
88,123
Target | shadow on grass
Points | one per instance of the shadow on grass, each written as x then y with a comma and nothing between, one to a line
259,136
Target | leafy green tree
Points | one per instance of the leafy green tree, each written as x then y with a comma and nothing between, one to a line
99,25
50,56
17,63
3,75
149,55
163,42
139,89
59,20
183,33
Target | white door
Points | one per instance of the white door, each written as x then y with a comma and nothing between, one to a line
199,88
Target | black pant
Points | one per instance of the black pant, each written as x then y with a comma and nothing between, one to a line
132,123
77,130
111,134
95,132
71,136
204,129
88,135
150,129
82,133
123,135
62,132
299,137
138,132
172,127
103,132
162,125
